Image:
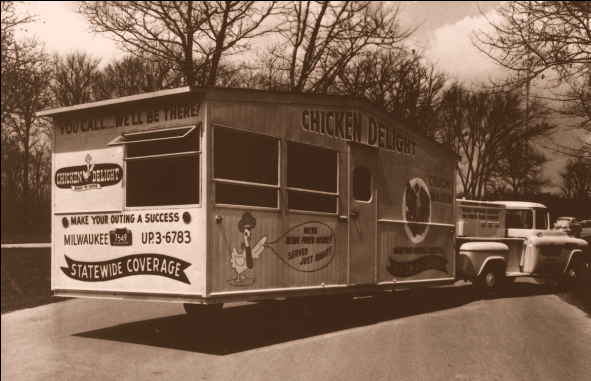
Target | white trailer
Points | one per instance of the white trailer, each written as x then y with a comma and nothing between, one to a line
204,196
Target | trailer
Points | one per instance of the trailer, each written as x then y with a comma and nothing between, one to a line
205,196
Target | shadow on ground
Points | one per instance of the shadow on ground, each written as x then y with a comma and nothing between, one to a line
247,327
26,279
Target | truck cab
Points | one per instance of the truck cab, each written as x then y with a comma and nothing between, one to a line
525,246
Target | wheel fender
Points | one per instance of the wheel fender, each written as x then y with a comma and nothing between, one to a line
473,256
488,260
574,255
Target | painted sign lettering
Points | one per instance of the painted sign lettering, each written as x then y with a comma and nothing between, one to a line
130,265
104,219
308,247
130,118
347,125
89,176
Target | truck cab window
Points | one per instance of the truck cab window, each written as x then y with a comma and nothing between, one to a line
162,167
245,168
541,219
311,178
519,219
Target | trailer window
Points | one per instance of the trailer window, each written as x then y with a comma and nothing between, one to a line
311,178
163,171
519,219
245,168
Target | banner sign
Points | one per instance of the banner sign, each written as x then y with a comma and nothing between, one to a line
130,265
410,268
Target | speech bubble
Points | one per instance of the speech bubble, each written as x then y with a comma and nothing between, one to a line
307,247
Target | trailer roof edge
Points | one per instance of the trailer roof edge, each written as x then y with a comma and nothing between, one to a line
110,102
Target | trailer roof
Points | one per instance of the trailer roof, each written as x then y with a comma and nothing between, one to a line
217,93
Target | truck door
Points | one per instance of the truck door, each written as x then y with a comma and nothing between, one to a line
362,214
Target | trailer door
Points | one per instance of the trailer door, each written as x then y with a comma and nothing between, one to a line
362,214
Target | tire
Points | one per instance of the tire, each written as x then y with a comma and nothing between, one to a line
573,275
490,280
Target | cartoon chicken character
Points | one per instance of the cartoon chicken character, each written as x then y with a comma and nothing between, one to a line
89,166
244,261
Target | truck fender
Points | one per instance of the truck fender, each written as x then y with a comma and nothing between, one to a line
474,256
574,255
491,260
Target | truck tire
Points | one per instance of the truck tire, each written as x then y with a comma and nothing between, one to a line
203,313
573,275
489,281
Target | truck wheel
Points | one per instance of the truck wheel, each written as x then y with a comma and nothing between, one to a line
574,274
489,281
203,313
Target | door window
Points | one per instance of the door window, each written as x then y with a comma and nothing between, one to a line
362,184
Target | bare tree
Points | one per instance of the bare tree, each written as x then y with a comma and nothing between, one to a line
11,180
73,75
185,33
134,75
409,88
576,179
518,173
11,20
321,38
535,37
26,89
484,128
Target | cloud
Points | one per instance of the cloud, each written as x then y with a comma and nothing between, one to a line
453,51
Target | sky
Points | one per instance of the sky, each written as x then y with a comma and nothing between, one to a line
445,33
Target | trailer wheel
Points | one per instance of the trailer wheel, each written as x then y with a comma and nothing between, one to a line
203,312
489,281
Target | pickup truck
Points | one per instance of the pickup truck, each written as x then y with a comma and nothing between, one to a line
497,242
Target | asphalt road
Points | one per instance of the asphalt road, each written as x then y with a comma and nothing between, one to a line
437,334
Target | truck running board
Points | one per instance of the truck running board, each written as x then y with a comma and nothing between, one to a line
517,273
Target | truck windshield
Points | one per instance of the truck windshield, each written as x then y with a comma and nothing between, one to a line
541,219
519,219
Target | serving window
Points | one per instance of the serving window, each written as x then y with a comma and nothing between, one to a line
312,174
245,168
162,166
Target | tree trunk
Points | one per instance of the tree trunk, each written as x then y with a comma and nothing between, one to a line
219,44
26,154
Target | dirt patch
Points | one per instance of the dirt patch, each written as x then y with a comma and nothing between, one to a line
26,279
